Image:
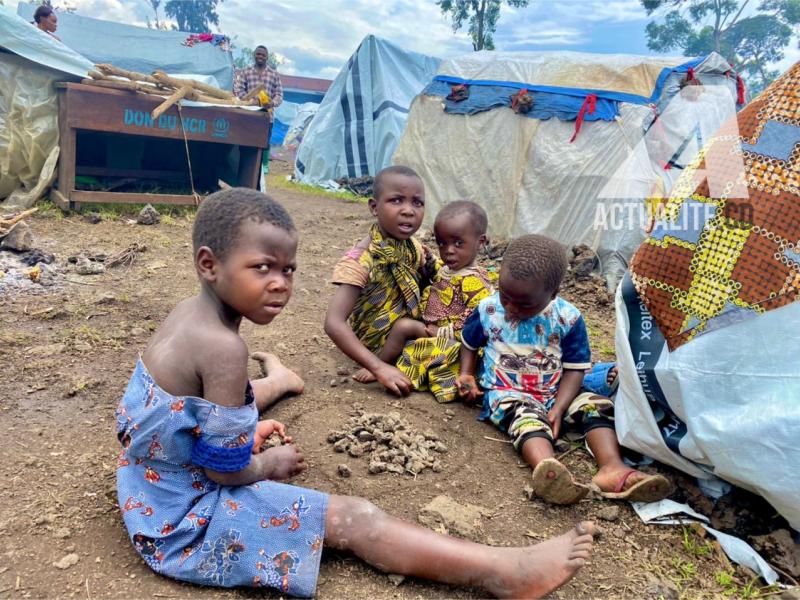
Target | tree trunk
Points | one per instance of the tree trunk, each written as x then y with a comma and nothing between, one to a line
481,16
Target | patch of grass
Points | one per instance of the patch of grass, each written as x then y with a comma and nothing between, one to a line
304,188
168,219
693,546
606,349
50,210
114,212
685,570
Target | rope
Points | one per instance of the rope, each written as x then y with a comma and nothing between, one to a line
195,195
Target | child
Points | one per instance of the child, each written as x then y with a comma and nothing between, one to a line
535,351
457,288
200,498
381,277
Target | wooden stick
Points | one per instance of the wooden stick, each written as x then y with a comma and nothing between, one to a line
164,106
199,86
229,101
131,86
17,218
107,69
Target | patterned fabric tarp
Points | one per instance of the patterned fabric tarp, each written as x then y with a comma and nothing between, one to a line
725,245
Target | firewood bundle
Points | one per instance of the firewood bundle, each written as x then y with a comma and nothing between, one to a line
161,84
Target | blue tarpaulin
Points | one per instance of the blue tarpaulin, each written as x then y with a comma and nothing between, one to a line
138,48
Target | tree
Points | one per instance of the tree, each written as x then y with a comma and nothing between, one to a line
482,16
750,41
157,23
194,16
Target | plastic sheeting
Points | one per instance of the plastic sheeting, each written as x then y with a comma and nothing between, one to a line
138,48
28,130
363,114
723,405
527,174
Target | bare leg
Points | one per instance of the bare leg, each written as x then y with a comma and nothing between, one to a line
278,382
612,471
403,330
552,481
397,546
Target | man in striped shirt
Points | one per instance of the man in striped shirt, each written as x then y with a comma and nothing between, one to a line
260,74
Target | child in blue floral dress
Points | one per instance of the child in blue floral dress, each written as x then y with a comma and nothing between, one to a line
202,501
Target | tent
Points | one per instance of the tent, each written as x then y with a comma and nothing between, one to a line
138,48
30,63
579,164
363,114
707,333
299,94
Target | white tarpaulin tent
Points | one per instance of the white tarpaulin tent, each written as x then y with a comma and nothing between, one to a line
363,114
525,170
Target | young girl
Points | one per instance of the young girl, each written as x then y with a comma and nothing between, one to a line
431,361
200,499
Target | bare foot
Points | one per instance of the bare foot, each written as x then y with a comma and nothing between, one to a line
364,376
623,483
282,380
283,462
536,571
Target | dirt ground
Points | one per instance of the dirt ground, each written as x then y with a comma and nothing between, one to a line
68,349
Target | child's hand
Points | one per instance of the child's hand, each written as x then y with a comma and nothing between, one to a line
468,388
555,415
266,428
393,380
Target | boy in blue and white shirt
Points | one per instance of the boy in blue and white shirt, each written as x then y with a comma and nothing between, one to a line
535,351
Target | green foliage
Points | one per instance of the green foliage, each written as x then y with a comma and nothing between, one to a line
750,41
482,16
194,16
691,544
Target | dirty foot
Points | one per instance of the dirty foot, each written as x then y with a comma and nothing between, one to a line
620,482
278,380
536,571
283,462
553,483
364,376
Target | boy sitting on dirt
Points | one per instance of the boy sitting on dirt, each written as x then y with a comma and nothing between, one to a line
535,351
456,289
200,497
381,277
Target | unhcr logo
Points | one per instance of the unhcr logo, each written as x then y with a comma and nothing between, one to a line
221,128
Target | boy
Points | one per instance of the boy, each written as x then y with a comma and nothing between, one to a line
200,499
431,361
535,351
381,277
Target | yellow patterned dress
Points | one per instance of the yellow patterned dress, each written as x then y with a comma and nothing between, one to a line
389,273
433,363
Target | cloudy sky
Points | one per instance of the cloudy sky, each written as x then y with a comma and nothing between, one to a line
317,36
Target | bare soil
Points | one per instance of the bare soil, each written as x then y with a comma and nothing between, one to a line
67,351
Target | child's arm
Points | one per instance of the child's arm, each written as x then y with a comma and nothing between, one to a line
339,330
467,386
568,388
224,381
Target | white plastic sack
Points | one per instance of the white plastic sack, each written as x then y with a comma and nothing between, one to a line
725,404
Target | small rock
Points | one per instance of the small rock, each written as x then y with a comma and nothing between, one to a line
396,579
377,466
356,450
528,491
449,412
148,216
84,266
608,513
106,298
67,561
662,589
342,371
136,331
93,218
344,380
781,550
365,436
62,533
334,383
462,519
341,445
19,238
344,471
437,466
35,257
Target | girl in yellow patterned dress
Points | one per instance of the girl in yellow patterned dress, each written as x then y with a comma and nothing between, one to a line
427,350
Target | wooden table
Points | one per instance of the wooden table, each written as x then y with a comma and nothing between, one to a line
89,108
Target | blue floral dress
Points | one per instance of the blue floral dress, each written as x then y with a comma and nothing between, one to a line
188,527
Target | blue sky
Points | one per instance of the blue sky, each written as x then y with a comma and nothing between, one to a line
316,37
